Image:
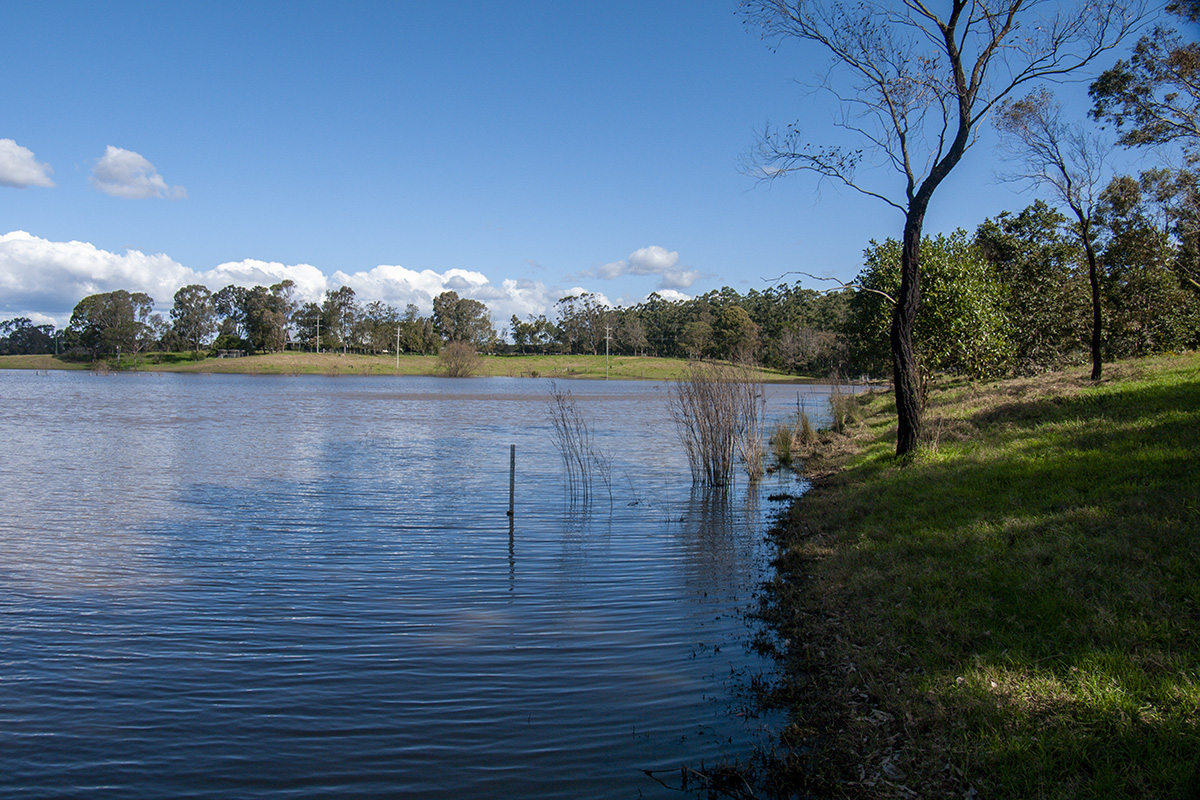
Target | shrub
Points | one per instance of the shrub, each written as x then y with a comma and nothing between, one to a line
717,410
458,360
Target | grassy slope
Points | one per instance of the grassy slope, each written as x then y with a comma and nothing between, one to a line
1015,612
620,367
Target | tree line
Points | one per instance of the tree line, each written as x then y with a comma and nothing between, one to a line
1010,298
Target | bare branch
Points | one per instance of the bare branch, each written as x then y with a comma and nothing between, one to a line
841,285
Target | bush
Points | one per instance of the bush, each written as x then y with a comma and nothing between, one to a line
717,409
458,360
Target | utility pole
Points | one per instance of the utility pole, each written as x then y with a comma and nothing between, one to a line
318,342
397,347
607,336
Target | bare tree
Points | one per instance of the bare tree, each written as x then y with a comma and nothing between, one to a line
914,86
1068,160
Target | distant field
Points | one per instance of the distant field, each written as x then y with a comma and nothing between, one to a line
593,367
38,362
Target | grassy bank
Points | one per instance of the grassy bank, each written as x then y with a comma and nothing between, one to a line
1014,614
294,363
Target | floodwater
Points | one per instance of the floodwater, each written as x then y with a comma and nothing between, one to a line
240,586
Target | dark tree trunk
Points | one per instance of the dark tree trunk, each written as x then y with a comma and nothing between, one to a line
905,371
1094,278
1085,229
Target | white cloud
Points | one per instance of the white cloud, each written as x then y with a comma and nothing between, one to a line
44,280
399,286
672,296
311,283
19,168
40,276
124,173
652,260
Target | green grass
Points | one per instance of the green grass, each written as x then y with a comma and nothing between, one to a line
295,363
1017,610
38,362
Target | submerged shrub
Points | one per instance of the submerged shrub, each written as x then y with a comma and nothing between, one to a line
717,411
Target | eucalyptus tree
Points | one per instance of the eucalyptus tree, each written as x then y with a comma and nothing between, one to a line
1153,100
229,304
1149,309
338,314
193,316
112,322
584,322
417,334
1154,97
463,319
267,315
915,82
1072,163
19,336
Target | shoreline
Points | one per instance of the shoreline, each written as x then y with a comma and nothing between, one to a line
559,367
1007,614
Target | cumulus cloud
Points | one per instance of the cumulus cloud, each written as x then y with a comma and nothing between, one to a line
44,280
49,278
19,168
311,283
652,260
672,296
124,173
399,286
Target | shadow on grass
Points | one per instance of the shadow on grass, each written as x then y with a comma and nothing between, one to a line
1031,594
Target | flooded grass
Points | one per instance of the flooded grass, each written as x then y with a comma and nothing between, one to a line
1015,612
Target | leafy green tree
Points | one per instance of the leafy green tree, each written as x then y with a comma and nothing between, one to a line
378,327
229,304
1154,97
462,319
697,337
961,326
417,334
193,316
20,336
1034,257
338,314
735,335
308,325
1150,311
632,337
112,322
583,323
1175,193
664,323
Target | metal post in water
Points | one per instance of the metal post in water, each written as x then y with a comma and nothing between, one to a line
512,476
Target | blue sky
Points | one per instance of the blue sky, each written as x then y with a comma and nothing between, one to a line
514,151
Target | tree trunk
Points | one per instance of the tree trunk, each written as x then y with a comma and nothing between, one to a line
1085,228
905,372
1094,279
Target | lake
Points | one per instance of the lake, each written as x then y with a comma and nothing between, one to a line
252,586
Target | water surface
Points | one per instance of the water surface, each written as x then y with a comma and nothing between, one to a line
241,586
